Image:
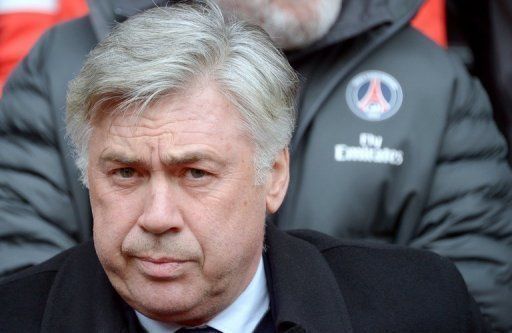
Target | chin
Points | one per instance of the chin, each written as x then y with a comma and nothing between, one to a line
163,307
174,302
174,311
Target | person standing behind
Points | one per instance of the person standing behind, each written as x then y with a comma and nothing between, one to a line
395,142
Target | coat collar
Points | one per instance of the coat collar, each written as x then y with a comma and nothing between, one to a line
357,18
303,290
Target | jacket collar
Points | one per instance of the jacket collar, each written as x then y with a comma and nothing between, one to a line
358,17
304,292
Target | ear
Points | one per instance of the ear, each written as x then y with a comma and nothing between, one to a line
277,181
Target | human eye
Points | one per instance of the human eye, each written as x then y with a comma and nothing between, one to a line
125,173
126,176
196,174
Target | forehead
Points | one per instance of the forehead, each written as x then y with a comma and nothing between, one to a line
201,113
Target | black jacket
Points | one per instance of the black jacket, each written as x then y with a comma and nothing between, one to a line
317,284
451,194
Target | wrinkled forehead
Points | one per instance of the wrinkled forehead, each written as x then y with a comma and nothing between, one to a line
202,127
201,113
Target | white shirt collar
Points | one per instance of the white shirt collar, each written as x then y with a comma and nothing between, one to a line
243,315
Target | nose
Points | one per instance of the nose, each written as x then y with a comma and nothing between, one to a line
161,208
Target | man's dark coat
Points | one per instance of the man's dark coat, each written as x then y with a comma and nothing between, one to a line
316,283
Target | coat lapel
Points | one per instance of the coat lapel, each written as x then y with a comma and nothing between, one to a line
304,291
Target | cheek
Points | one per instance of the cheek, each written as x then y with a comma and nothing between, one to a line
232,229
115,213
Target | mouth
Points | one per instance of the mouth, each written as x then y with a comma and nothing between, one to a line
161,268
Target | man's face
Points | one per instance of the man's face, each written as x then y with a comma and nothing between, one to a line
292,24
178,219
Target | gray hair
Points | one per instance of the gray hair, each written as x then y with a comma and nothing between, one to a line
162,51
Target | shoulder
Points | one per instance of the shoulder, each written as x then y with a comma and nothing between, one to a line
397,285
78,28
48,267
68,37
75,32
425,59
422,59
54,59
378,255
434,78
64,48
24,295
379,262
24,299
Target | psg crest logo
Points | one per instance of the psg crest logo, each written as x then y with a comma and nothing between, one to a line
374,95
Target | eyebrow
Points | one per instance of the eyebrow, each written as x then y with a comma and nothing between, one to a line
187,158
119,157
168,159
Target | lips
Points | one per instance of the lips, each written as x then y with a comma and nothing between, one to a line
161,268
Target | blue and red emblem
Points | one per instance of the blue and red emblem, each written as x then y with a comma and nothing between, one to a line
374,95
